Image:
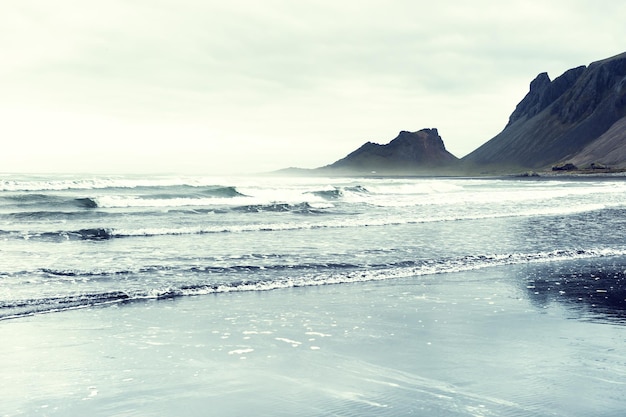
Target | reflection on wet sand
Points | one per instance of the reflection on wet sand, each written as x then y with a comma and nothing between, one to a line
595,291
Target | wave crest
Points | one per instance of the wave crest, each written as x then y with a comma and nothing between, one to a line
293,277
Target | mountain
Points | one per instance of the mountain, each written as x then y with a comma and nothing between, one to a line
609,149
578,118
409,153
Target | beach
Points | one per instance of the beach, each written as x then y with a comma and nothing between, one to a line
472,343
196,296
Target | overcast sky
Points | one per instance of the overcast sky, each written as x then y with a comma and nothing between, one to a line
209,87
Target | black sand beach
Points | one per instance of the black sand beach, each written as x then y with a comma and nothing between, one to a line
478,343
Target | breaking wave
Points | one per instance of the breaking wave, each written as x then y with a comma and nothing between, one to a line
33,184
337,193
294,276
315,222
301,208
175,196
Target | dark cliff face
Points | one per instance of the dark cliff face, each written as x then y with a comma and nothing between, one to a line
558,119
408,152
544,92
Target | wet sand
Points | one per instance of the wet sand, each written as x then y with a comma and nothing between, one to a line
479,343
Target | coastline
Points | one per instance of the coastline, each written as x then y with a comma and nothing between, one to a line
461,173
456,344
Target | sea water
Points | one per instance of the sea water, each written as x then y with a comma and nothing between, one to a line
70,242
444,296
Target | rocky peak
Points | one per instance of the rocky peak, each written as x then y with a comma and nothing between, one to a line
408,151
425,146
424,137
544,92
539,83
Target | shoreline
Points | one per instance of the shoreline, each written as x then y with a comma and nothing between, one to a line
455,344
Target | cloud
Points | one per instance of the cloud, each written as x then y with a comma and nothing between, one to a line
308,80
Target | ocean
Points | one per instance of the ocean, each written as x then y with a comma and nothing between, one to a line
540,257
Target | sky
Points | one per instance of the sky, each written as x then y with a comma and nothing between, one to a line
216,87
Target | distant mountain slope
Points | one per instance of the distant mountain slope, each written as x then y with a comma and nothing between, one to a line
609,149
409,152
561,120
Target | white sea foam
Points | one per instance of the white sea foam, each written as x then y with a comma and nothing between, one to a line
467,263
356,221
134,201
240,351
293,343
318,334
69,183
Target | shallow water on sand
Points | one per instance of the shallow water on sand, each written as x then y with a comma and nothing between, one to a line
477,343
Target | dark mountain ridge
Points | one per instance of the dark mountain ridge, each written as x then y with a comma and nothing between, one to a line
558,119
